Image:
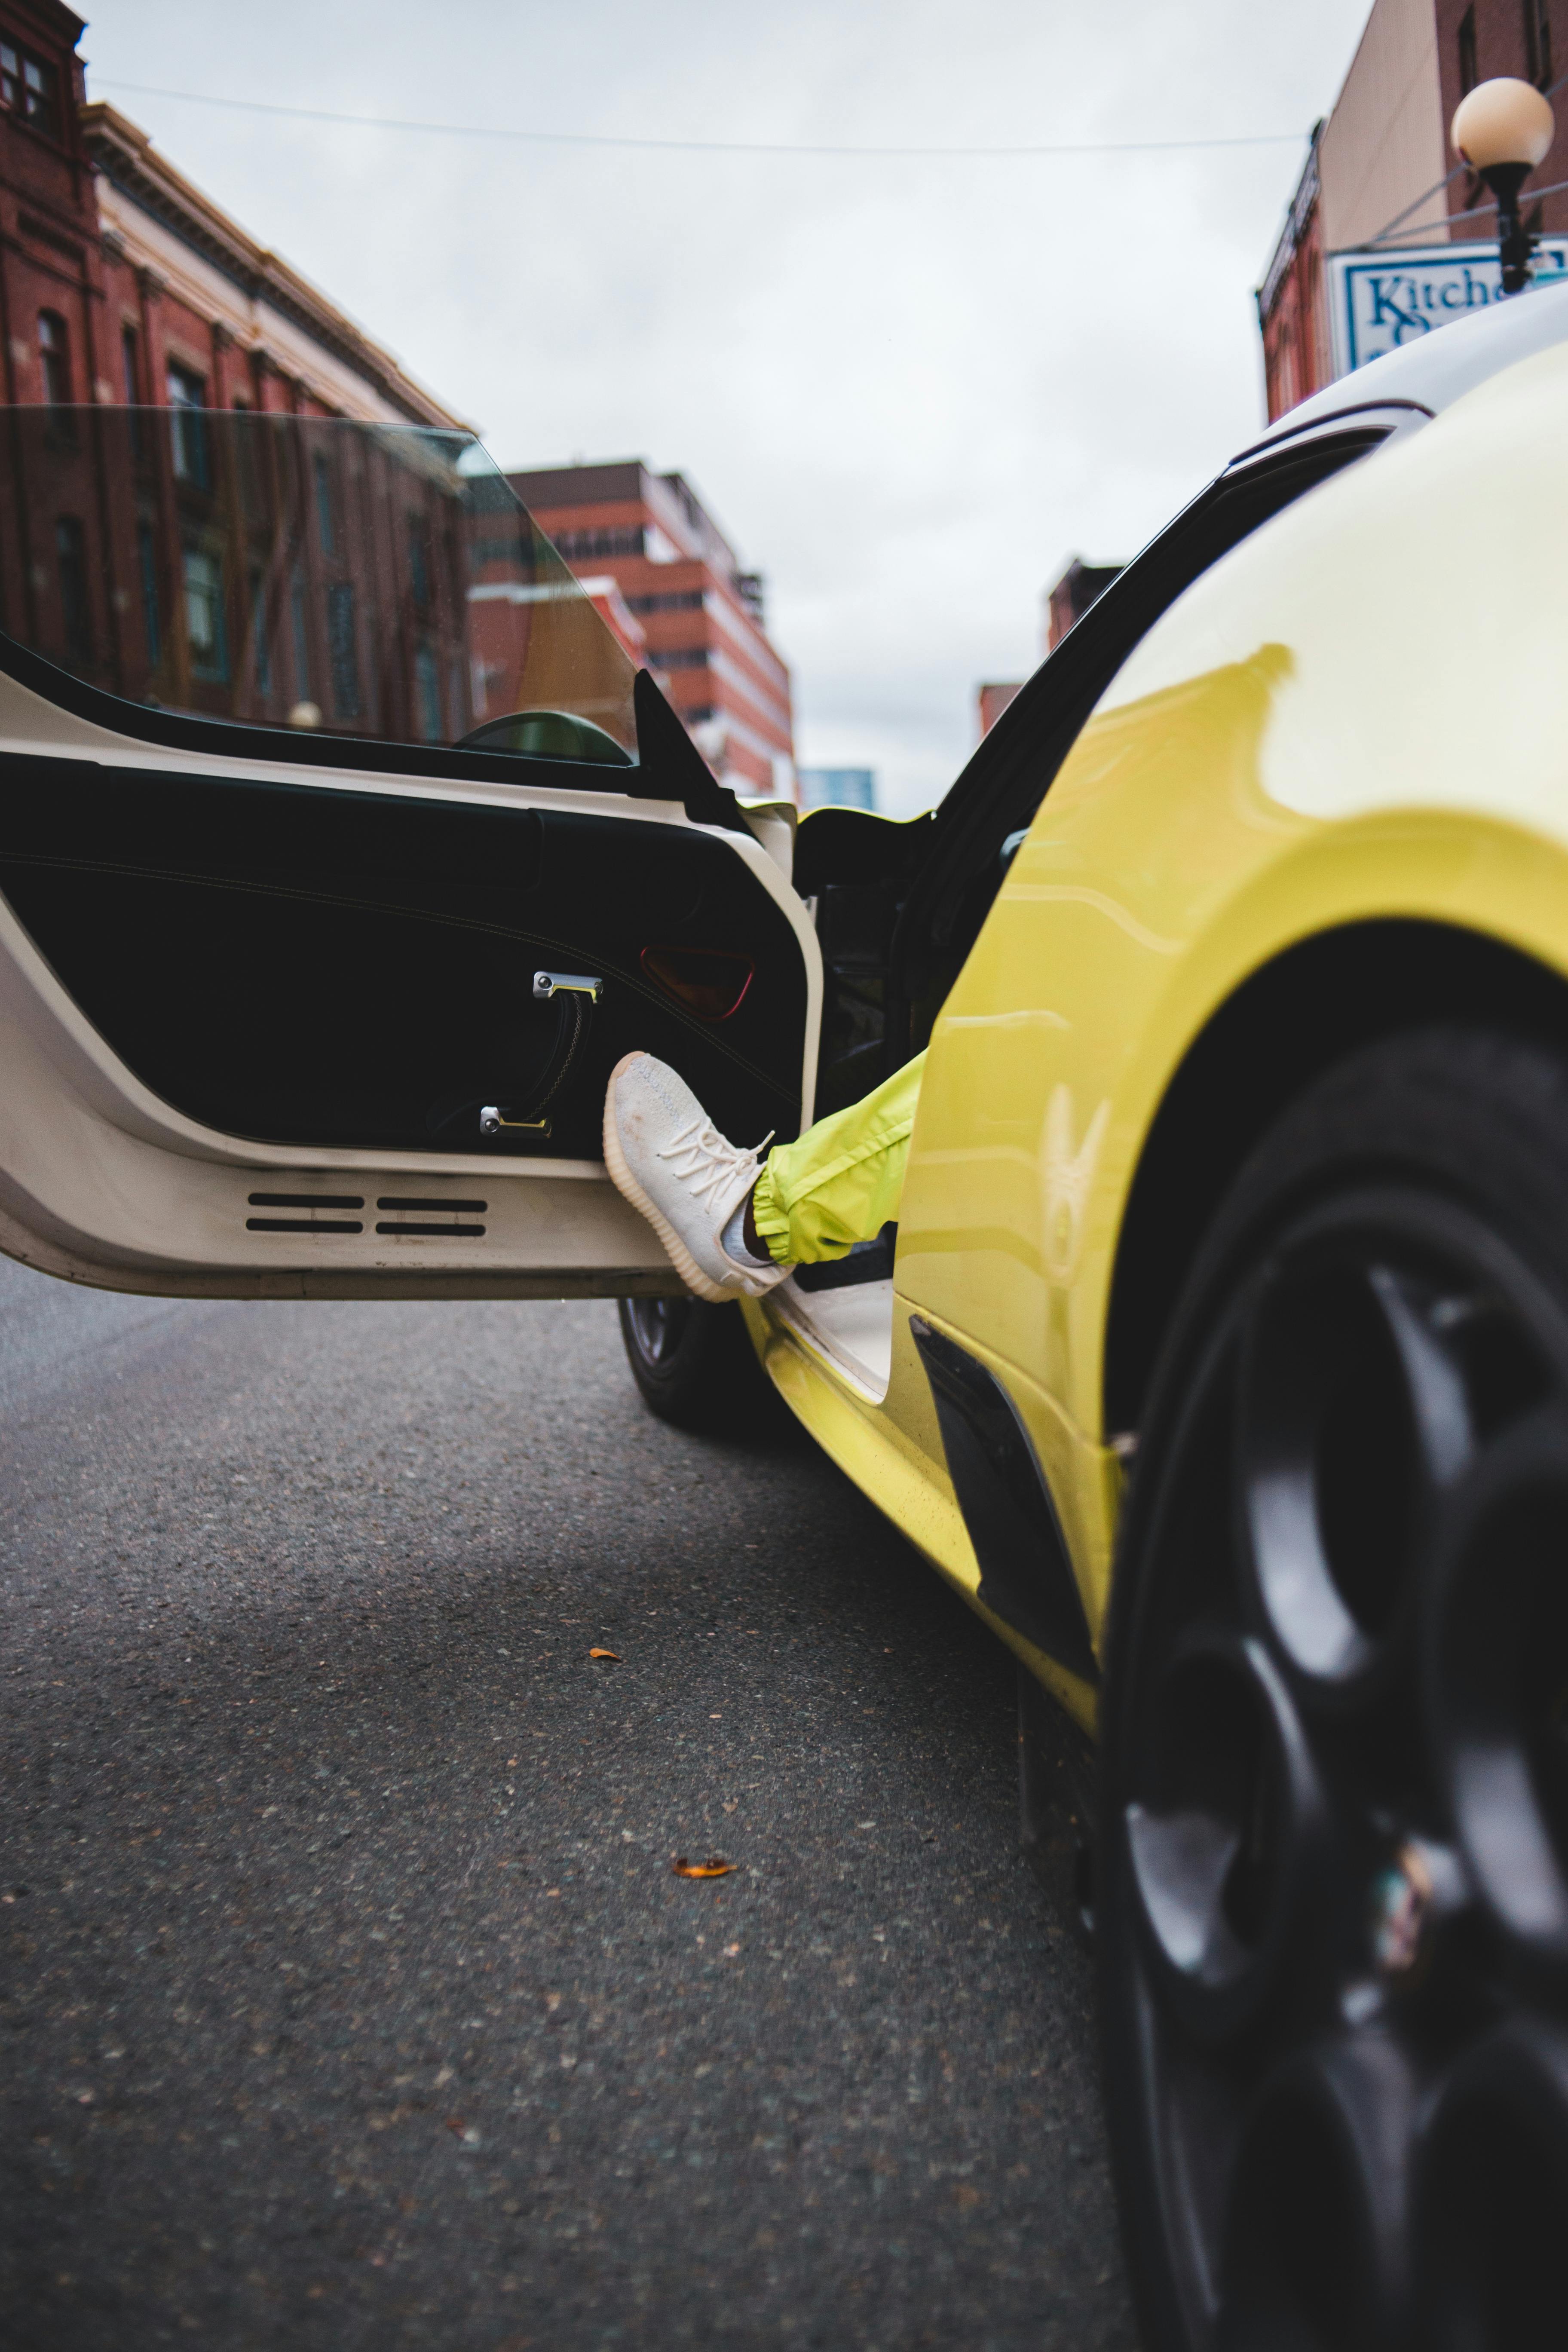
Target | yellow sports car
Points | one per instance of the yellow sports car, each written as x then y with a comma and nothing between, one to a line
1220,1353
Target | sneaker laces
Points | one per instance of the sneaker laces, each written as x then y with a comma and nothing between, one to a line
707,1161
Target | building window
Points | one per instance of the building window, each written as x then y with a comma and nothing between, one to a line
54,356
260,647
1468,74
204,614
517,551
428,694
131,371
419,565
188,427
1536,43
70,552
326,517
669,600
40,96
583,546
147,567
301,636
30,88
343,652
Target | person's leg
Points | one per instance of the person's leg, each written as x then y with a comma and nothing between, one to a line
839,1182
733,1226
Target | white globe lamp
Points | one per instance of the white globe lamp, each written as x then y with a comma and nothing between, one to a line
1503,130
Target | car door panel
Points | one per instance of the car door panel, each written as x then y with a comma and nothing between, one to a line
219,984
315,967
345,847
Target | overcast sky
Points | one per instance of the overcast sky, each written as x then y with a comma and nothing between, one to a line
909,390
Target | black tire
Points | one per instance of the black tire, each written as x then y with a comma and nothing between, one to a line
695,1364
1332,1915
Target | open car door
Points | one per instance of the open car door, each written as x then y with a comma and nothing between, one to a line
344,850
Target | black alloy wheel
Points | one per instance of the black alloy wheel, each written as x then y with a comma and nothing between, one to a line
1333,1917
695,1365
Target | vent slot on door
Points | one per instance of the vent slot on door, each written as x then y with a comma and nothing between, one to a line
317,1224
418,1215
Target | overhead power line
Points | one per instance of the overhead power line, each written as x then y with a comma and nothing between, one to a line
698,146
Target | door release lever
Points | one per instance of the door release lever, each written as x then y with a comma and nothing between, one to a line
491,1122
547,984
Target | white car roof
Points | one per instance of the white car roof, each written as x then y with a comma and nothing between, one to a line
1445,363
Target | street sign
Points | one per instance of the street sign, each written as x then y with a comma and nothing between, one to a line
1381,301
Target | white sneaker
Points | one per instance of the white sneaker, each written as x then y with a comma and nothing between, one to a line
671,1162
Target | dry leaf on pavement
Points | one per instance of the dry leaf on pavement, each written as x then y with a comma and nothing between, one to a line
713,1868
613,1654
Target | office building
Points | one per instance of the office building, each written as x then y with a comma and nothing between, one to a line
838,787
702,614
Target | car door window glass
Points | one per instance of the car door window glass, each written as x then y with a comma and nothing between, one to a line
290,573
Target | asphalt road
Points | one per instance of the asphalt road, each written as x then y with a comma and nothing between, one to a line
347,1996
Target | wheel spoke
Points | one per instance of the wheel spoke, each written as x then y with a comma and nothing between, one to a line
1497,1680
1315,2239
1492,2193
1225,1834
1354,1414
657,1323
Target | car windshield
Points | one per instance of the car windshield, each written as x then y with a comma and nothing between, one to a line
364,580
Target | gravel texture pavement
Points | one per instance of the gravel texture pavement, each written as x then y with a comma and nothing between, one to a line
347,1995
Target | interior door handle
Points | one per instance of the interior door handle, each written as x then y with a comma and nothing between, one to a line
547,984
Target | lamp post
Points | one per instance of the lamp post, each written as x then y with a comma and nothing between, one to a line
1503,130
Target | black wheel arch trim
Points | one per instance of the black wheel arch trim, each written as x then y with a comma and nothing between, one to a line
1025,1571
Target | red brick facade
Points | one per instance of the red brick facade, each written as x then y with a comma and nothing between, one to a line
49,221
1293,305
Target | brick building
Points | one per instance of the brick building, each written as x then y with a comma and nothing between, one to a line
1066,599
148,562
121,282
702,614
1378,162
258,559
992,698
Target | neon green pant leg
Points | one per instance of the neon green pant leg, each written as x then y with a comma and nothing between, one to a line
839,1182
